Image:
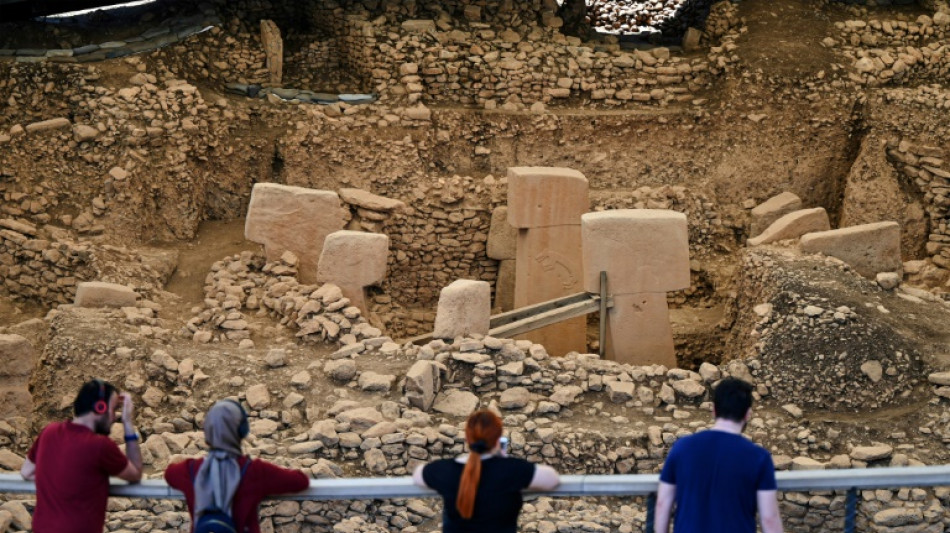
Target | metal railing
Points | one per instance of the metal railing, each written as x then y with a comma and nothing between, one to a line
850,480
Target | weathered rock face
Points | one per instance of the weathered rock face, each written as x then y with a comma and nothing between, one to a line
17,359
295,219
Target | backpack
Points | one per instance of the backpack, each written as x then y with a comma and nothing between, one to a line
215,520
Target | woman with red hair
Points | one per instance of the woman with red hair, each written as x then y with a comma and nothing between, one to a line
481,492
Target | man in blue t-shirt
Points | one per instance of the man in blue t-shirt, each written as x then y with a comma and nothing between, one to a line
718,478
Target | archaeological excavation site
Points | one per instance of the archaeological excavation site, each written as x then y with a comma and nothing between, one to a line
364,219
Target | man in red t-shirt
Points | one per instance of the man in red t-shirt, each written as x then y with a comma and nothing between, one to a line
227,481
71,462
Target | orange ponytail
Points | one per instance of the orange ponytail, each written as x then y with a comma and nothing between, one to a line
482,432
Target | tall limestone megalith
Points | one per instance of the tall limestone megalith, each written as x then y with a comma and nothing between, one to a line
545,204
645,253
354,260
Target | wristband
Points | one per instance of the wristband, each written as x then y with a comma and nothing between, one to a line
132,437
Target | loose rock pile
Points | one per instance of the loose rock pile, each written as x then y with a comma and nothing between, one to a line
841,354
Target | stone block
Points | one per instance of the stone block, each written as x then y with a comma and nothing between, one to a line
502,237
764,214
794,225
15,398
456,402
642,250
283,217
540,197
868,248
464,309
16,356
102,294
423,381
353,260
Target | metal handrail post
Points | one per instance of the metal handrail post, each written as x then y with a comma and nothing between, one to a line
850,510
651,513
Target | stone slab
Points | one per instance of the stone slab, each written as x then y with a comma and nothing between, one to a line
502,236
422,384
639,330
549,266
283,217
464,309
868,248
51,124
540,197
642,250
794,225
16,356
764,214
103,294
353,260
368,200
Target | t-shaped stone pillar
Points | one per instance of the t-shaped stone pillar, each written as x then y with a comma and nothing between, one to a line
282,218
545,204
645,253
354,260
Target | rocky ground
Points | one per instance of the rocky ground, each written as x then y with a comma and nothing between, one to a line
137,170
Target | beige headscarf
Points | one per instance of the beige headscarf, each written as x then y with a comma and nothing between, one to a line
220,474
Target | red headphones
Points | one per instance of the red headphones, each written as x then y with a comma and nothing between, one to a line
101,406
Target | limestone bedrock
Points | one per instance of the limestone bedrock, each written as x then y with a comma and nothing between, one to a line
464,309
296,219
645,253
354,260
545,204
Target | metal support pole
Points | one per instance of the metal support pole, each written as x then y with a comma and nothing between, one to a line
602,347
651,508
850,510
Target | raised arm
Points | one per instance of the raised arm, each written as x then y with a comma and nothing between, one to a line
768,511
665,496
133,469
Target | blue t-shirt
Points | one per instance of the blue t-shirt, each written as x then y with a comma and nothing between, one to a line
717,475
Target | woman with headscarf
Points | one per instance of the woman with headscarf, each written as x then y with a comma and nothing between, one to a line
226,480
481,491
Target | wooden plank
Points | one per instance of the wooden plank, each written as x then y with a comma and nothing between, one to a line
524,319
546,318
524,312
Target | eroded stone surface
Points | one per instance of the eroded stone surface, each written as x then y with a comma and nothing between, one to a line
464,309
283,217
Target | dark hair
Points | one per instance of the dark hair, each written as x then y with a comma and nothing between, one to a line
732,399
482,432
90,394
